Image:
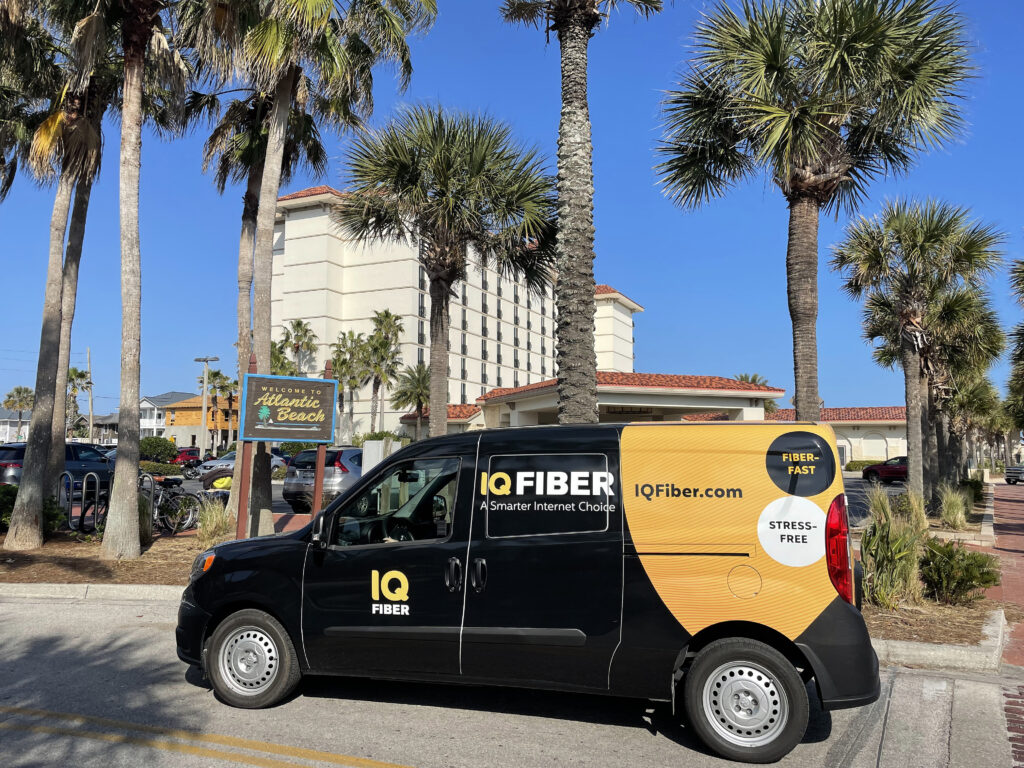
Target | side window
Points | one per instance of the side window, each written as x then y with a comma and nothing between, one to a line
357,459
88,454
545,494
412,501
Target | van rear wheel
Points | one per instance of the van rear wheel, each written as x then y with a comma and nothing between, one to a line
251,661
746,701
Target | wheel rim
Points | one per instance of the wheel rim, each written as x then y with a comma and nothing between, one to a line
248,661
745,704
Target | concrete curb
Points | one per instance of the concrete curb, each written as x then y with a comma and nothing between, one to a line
984,657
93,591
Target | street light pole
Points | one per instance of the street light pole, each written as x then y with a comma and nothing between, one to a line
206,378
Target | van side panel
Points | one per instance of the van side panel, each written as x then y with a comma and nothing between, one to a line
718,537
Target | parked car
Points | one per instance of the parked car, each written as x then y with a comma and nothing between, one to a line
1014,474
286,458
228,461
606,558
887,471
191,453
343,466
79,459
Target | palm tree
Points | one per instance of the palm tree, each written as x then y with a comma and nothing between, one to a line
823,97
450,182
217,384
19,400
574,22
383,356
908,263
348,362
301,340
280,365
412,390
230,392
77,381
756,378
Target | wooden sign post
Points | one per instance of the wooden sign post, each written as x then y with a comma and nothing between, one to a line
279,409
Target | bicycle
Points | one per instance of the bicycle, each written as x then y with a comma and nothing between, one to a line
174,509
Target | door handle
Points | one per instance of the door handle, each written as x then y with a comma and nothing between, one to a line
453,574
478,576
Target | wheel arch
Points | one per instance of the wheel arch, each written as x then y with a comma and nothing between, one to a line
233,606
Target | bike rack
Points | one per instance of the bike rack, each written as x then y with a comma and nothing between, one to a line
65,496
147,484
66,488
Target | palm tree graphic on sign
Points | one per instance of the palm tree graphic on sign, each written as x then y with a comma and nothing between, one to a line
264,414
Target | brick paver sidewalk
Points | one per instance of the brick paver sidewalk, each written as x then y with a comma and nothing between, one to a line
1009,529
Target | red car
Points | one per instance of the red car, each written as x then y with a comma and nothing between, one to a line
188,454
887,471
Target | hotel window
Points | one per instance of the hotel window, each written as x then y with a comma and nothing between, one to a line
498,308
499,332
543,329
483,349
423,279
483,303
484,280
529,323
543,368
515,294
499,354
515,316
515,379
483,327
422,334
465,322
465,346
483,372
463,393
529,301
465,294
499,286
515,359
529,344
542,304
515,333
529,367
498,378
423,307
543,347
483,391
463,376
419,355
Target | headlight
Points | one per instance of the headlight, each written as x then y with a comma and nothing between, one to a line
201,564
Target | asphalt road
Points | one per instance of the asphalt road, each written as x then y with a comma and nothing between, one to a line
91,683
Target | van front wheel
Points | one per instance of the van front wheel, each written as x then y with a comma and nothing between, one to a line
746,701
251,661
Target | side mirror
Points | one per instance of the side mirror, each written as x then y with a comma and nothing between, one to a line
440,507
318,532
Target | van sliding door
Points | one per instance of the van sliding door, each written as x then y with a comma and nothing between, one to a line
544,570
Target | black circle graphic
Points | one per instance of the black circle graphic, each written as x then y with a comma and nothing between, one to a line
801,463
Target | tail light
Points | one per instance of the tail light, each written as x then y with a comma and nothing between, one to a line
838,552
339,465
10,464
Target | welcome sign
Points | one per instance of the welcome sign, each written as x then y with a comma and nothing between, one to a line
279,408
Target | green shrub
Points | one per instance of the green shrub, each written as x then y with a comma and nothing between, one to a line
910,508
889,549
975,487
53,516
157,449
230,448
8,493
953,504
279,473
292,448
384,434
859,464
154,468
215,524
956,575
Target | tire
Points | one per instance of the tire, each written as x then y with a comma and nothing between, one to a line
1011,482
871,477
190,473
180,512
251,661
769,707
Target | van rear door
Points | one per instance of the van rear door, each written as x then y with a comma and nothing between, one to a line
544,583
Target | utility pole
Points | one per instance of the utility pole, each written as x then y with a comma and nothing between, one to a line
88,364
206,379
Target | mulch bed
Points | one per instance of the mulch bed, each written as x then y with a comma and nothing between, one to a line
64,559
928,622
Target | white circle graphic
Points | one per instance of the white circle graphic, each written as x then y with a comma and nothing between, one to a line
792,531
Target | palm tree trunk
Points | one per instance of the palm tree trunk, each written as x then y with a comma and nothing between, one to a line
911,374
931,444
419,420
18,437
69,295
802,289
374,396
439,297
576,358
26,529
246,244
261,518
940,425
121,537
351,415
1007,459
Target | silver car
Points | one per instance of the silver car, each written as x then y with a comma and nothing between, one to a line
79,459
227,461
343,466
1014,474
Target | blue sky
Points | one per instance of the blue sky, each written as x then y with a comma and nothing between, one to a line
712,281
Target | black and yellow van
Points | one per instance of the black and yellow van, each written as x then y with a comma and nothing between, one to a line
704,564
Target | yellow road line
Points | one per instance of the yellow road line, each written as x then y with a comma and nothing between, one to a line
137,741
209,738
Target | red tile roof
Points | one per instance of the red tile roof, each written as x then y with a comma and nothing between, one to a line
883,413
455,413
603,289
311,192
714,416
647,380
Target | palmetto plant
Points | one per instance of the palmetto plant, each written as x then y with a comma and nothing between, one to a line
451,183
19,400
822,96
918,265
412,390
348,362
574,22
300,340
383,356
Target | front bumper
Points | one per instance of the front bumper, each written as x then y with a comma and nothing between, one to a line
191,629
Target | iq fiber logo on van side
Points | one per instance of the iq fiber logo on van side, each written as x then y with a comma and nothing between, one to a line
541,483
394,586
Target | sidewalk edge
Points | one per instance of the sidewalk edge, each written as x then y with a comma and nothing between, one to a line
984,657
93,591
